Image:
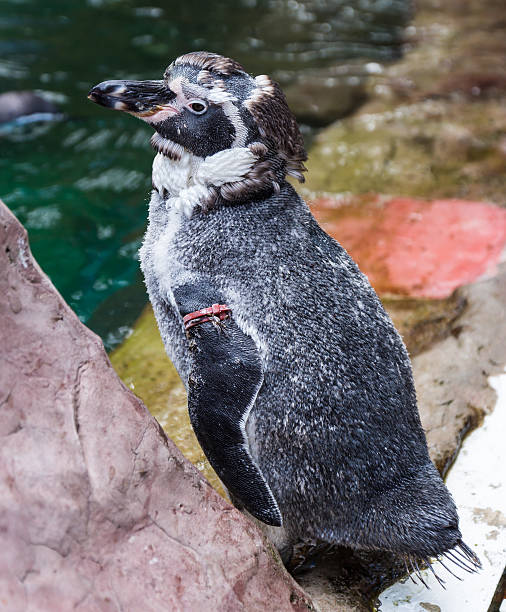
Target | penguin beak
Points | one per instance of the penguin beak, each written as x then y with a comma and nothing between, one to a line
140,98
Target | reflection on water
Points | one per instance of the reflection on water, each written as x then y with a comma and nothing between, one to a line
80,185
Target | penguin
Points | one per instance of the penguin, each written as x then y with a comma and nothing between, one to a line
300,389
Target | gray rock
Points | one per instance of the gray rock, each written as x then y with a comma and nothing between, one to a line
451,377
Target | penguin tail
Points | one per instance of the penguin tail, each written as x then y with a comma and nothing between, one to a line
460,556
417,520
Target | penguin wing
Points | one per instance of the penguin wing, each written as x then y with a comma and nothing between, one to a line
225,378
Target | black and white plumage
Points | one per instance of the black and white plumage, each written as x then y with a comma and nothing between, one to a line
303,400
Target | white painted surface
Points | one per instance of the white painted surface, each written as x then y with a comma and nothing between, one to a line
477,482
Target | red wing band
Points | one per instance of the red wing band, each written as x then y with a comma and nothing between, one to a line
220,311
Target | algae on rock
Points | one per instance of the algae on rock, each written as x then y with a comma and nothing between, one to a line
434,123
429,149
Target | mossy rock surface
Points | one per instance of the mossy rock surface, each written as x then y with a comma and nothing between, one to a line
143,365
434,124
432,149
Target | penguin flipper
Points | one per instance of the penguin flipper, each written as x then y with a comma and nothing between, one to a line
225,377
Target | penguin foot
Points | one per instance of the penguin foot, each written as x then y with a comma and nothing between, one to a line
304,556
286,554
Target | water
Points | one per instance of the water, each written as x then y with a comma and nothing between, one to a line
80,186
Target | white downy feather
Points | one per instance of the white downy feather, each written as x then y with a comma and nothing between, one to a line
188,179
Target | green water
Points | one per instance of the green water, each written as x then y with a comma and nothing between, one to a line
80,186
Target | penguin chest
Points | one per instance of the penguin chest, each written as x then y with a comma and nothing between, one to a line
165,262
163,270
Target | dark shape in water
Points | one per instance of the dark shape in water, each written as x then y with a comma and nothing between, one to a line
26,105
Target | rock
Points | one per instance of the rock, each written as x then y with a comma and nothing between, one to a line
416,248
423,322
433,127
320,96
455,50
452,376
434,123
429,149
98,509
16,104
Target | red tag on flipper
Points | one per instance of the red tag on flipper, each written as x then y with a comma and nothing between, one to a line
220,311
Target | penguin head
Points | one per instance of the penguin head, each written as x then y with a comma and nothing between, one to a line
207,103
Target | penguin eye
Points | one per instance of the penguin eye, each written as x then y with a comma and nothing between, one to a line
198,107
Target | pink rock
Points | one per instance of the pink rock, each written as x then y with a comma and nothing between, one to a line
99,510
414,247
